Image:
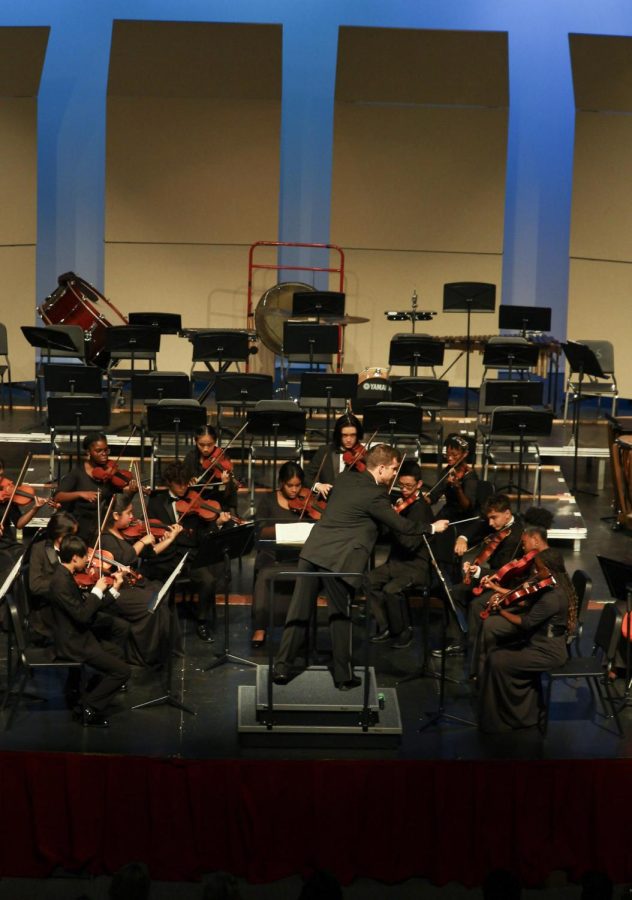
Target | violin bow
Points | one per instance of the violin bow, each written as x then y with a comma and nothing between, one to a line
363,450
18,481
124,447
396,475
141,497
307,499
223,450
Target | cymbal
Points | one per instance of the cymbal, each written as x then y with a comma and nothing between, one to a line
324,320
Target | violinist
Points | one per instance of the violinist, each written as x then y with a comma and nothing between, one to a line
328,460
163,505
493,545
202,457
79,488
532,643
407,564
17,517
43,560
273,507
149,632
77,618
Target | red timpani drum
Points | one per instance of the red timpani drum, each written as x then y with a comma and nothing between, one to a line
73,303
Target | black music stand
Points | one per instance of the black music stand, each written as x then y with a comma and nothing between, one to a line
524,318
319,304
518,424
618,577
392,419
582,360
469,297
48,339
244,391
166,323
130,340
513,393
279,418
151,388
172,417
74,412
328,386
414,350
224,546
64,378
428,394
307,339
222,346
510,356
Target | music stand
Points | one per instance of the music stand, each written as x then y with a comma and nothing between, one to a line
414,350
48,339
66,378
321,304
130,340
155,386
469,297
509,355
524,318
512,393
428,394
243,390
166,323
307,339
224,546
392,418
327,386
519,424
618,577
279,418
582,360
173,416
221,345
168,588
75,412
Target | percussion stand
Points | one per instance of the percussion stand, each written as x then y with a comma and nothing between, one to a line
224,546
469,297
48,339
128,341
583,361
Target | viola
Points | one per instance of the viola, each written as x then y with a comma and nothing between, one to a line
517,568
490,543
403,503
353,458
532,586
306,503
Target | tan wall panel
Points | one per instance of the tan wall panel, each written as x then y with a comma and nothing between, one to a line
192,170
419,178
600,308
207,285
18,170
602,187
17,274
376,281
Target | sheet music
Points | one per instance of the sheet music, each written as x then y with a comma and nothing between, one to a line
292,534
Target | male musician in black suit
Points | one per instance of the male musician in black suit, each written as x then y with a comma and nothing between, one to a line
493,545
77,619
204,578
407,564
342,541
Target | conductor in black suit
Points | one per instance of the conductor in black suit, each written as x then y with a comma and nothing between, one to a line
342,541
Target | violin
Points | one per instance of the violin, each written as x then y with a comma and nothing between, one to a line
306,503
532,586
118,478
107,558
403,503
490,543
89,577
207,510
218,461
353,458
137,529
509,572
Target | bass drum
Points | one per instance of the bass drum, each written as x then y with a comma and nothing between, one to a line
374,386
273,309
72,303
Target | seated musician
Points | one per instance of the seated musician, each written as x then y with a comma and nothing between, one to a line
494,544
149,631
327,463
77,618
43,560
15,517
199,460
274,507
407,564
533,642
77,491
162,505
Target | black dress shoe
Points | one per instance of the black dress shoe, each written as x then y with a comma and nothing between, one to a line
280,676
381,637
349,684
451,650
404,639
204,633
90,717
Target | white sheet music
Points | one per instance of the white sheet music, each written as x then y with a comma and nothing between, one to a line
292,533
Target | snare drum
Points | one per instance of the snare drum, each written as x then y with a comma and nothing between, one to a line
69,305
374,386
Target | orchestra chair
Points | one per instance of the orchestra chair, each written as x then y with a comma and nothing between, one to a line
591,386
5,368
30,659
594,668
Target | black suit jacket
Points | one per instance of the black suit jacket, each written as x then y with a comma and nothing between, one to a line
329,456
74,613
342,541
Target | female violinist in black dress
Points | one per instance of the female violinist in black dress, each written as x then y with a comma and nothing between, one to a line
200,459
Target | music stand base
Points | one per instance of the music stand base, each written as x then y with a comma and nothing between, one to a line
166,700
229,658
440,716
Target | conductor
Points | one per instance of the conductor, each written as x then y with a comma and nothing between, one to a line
342,541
